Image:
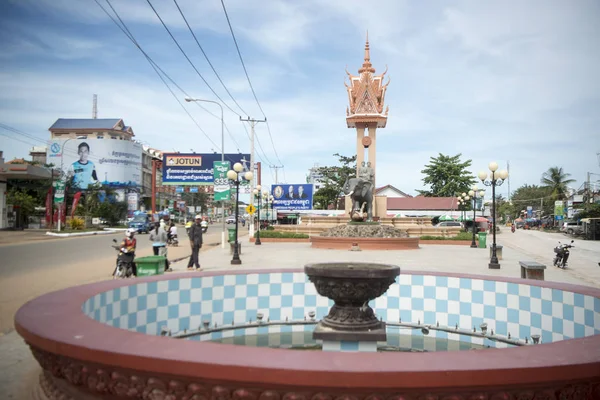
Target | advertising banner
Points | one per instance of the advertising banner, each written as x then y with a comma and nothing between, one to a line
59,192
293,197
196,169
76,199
116,163
132,203
558,210
221,182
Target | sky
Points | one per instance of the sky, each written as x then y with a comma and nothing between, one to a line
504,81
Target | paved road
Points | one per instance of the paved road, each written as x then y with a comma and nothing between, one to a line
583,261
28,270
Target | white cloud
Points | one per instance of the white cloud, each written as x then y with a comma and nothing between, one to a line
492,80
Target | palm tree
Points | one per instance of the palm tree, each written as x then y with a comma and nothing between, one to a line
557,180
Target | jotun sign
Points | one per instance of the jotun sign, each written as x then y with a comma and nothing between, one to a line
195,169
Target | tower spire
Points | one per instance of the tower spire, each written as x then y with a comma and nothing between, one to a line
367,66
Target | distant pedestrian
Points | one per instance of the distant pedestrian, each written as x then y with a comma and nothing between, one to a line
158,237
195,235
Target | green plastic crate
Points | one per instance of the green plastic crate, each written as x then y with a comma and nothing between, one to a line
151,265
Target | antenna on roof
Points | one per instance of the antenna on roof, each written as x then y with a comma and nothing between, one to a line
95,107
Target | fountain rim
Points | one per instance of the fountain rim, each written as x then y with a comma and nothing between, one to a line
358,270
55,323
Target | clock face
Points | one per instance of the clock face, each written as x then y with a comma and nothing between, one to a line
366,141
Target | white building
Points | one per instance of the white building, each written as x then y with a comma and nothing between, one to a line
315,177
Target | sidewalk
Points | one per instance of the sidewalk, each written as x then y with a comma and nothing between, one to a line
16,237
18,369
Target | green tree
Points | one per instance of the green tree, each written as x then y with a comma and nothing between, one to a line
447,176
22,199
557,181
333,178
538,197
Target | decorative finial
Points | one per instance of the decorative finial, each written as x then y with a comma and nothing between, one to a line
367,66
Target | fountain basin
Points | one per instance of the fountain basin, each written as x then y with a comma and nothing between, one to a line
103,340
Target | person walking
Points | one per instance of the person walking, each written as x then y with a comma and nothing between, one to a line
158,237
195,235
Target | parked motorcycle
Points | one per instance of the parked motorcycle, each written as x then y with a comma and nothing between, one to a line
562,254
124,263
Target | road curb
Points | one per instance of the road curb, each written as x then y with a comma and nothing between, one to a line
105,232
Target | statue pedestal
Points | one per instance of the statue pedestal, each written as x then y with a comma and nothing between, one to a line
380,207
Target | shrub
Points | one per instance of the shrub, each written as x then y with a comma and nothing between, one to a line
77,223
460,236
286,235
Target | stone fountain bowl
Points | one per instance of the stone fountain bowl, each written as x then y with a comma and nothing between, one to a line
351,283
351,286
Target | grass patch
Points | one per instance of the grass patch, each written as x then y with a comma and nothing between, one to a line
282,235
363,223
460,236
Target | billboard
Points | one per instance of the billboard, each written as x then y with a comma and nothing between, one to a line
195,169
292,196
110,162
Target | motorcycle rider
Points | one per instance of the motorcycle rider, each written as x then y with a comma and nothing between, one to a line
204,225
128,246
173,234
512,228
195,235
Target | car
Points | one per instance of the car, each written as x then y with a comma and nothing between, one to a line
572,227
230,220
448,224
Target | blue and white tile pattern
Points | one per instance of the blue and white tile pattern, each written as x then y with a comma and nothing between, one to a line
518,309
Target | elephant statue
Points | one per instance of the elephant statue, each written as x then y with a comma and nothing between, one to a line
361,193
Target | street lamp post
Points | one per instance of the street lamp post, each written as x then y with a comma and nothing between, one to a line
268,198
474,193
234,176
189,99
496,178
257,194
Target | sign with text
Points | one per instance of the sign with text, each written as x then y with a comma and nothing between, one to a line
558,209
221,183
293,197
192,169
59,193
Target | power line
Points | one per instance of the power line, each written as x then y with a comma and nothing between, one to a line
207,59
188,59
154,66
248,78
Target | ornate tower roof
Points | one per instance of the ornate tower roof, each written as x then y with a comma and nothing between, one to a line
366,93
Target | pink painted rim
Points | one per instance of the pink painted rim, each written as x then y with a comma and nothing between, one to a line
55,322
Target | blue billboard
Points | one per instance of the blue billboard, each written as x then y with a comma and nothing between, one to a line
292,197
195,169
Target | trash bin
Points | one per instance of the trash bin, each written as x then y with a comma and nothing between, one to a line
482,240
231,232
151,265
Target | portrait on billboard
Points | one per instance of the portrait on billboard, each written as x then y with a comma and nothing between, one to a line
83,170
114,163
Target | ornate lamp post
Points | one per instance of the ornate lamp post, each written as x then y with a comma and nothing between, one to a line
268,198
234,176
496,178
474,193
257,195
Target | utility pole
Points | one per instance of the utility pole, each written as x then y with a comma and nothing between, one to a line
276,167
95,107
253,123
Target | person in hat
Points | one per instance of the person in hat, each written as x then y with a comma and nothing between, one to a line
195,235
